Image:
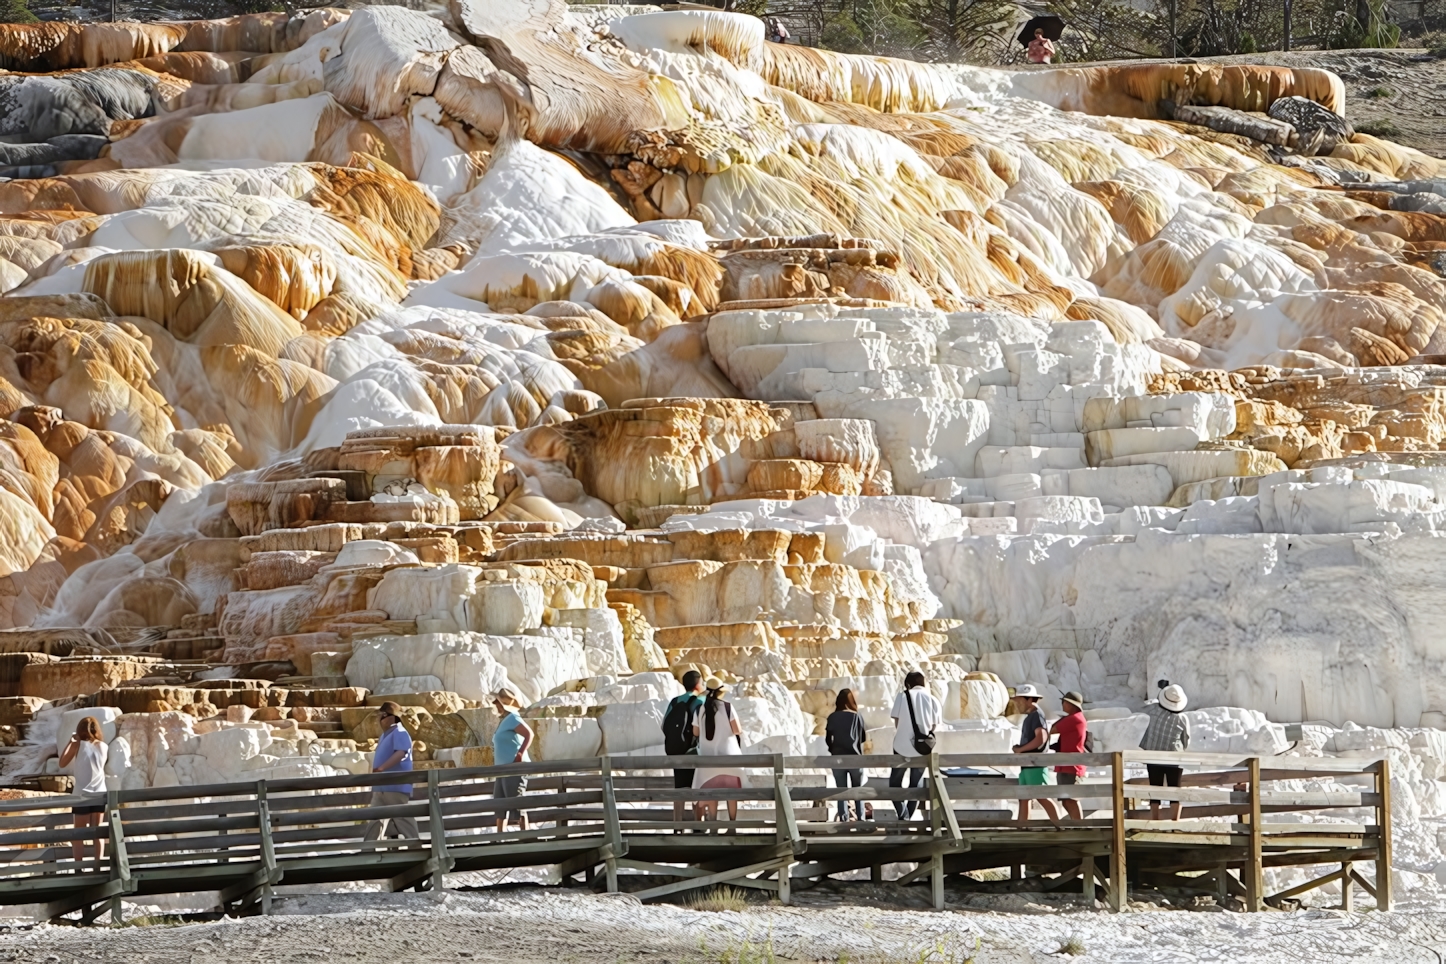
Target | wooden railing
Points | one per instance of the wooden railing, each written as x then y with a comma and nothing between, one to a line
616,814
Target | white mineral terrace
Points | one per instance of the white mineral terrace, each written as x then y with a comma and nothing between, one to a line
392,354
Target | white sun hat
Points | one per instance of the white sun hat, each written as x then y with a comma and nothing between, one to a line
1028,690
1173,698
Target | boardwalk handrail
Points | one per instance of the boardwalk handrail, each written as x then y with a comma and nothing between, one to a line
617,813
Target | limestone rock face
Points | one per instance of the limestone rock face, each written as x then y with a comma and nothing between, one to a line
392,354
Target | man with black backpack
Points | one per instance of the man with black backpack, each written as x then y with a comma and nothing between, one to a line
916,716
678,738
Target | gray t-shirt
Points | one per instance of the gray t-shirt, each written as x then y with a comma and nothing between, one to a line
1033,723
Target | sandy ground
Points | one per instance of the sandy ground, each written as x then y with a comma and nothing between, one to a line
860,924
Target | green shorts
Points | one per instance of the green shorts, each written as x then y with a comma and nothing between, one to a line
1033,777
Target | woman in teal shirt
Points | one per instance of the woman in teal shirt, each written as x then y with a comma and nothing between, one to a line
509,745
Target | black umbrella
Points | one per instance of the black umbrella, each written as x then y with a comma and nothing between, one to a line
1052,26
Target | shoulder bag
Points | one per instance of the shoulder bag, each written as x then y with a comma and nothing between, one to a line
923,743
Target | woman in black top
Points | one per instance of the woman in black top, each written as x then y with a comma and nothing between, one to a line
845,734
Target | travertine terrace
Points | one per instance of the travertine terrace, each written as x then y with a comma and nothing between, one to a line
392,354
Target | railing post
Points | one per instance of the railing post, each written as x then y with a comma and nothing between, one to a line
1347,898
786,826
120,863
612,825
1254,872
268,851
437,831
1383,835
1118,888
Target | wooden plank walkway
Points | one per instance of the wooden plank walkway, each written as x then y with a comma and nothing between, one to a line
614,816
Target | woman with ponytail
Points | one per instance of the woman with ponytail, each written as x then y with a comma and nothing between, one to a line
718,734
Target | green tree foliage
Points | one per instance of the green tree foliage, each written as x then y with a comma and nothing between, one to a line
983,31
961,30
15,11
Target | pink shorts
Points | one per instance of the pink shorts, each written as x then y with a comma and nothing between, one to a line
723,782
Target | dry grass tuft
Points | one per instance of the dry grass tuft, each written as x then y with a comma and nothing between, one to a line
718,899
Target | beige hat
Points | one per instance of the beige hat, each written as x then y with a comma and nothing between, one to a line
507,697
1173,698
1073,697
716,684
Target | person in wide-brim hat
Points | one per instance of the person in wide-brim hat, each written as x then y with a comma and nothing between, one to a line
1168,732
1070,730
1033,738
1173,698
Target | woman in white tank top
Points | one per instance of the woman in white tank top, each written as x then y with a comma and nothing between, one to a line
88,752
718,734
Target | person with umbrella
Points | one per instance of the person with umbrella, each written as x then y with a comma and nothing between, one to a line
1038,37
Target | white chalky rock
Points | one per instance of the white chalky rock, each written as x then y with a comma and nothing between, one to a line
976,699
1120,733
373,552
453,598
407,684
463,662
537,664
640,687
977,736
565,738
631,727
70,719
225,750
118,757
602,639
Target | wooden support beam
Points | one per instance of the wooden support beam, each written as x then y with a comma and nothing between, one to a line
1118,887
587,861
1087,871
1383,891
1067,877
923,867
253,888
413,875
1373,890
665,870
1329,878
120,861
437,833
1253,871
61,906
1347,898
613,829
720,877
940,789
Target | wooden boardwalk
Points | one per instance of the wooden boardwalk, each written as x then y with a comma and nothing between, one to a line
613,817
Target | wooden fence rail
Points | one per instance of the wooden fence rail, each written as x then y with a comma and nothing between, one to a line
615,816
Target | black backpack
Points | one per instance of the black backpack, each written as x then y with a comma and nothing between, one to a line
678,735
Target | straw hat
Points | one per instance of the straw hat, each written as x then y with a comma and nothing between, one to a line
716,685
1173,698
507,697
1028,691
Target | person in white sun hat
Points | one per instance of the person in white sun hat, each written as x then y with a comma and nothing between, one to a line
1033,737
1168,732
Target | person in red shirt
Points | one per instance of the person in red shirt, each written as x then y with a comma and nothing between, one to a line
1070,729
